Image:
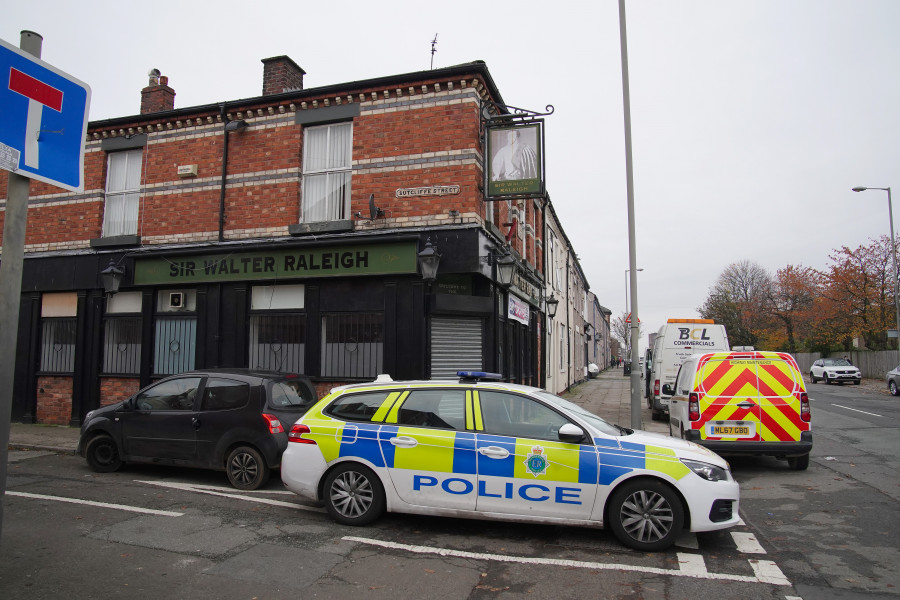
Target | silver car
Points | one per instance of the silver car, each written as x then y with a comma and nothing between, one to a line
893,381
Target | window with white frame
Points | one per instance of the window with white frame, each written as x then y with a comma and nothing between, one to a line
123,192
278,328
58,327
562,347
122,334
327,155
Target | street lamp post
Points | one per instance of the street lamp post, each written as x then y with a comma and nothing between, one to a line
893,255
627,311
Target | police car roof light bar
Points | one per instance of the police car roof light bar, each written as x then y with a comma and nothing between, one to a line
478,375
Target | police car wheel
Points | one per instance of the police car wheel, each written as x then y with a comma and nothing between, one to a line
102,454
246,468
353,495
646,515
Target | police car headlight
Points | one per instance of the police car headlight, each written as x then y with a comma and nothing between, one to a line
706,471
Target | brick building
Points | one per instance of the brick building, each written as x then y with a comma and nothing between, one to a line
284,231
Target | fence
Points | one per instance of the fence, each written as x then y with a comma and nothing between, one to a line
871,364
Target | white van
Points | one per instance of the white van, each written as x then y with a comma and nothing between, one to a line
677,340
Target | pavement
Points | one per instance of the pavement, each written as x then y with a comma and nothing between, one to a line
607,395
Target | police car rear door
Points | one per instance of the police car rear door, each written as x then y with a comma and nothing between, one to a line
429,455
523,468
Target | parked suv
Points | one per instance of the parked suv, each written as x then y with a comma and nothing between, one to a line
224,420
834,370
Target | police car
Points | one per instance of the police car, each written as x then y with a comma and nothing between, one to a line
479,448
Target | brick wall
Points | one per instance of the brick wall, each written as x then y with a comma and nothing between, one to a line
115,389
54,401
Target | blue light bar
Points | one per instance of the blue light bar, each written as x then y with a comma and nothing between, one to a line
477,375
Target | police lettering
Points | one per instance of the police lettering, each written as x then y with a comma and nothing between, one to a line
532,492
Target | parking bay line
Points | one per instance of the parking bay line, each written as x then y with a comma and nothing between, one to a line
859,411
689,565
188,487
137,509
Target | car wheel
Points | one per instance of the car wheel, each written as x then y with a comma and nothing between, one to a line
798,463
246,468
857,381
812,378
353,495
825,378
102,454
895,391
646,515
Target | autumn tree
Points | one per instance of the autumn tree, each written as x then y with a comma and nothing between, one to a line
859,294
738,300
790,299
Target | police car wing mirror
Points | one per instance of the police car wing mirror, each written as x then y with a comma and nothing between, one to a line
668,389
570,433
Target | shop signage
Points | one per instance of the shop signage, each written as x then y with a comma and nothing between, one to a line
283,263
518,310
434,190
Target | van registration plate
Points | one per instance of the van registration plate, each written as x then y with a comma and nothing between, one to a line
731,430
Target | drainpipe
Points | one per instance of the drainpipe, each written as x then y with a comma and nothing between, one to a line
228,127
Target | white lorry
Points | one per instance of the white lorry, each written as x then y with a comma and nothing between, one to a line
677,340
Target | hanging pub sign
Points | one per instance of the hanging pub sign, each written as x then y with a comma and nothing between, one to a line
514,160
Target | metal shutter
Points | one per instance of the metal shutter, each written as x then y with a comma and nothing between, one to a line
456,345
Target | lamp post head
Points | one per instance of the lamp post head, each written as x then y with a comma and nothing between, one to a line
552,303
111,277
859,189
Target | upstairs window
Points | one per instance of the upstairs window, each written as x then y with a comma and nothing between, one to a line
123,193
327,153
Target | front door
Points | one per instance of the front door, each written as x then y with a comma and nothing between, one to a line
158,425
523,468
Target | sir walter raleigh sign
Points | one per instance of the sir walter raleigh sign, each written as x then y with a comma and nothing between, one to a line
374,259
514,160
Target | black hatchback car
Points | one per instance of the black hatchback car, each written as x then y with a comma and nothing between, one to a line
225,420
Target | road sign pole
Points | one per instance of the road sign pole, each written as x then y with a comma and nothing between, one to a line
14,223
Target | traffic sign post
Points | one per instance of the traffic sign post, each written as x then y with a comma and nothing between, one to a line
35,143
43,120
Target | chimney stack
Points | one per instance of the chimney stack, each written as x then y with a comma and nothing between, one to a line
157,96
281,74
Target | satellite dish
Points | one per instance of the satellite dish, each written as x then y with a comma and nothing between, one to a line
374,211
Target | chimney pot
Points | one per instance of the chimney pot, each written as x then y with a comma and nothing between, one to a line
157,96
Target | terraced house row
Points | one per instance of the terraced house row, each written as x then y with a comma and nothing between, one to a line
298,231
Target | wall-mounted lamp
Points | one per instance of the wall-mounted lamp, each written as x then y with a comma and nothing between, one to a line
429,259
588,328
506,265
111,277
552,303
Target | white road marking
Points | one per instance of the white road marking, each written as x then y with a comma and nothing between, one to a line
692,564
747,543
768,572
189,487
857,410
137,509
765,573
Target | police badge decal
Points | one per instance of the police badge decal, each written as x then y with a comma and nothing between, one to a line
536,462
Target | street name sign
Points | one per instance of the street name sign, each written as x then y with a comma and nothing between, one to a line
43,120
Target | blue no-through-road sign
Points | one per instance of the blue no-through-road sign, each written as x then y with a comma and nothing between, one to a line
43,120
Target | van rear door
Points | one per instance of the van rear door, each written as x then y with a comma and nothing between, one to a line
729,399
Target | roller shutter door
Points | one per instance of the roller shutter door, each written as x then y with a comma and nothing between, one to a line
456,345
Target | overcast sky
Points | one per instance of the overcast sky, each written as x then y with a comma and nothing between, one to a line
751,120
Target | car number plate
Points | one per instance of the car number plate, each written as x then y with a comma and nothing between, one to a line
731,430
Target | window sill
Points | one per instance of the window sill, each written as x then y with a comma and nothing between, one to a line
321,227
116,241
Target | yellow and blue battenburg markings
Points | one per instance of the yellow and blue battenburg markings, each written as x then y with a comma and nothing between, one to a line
448,451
